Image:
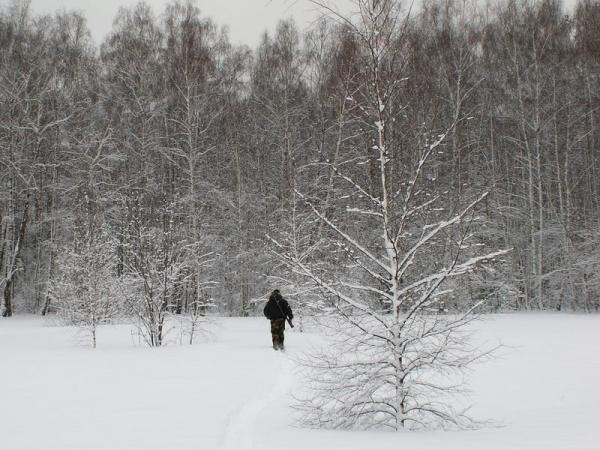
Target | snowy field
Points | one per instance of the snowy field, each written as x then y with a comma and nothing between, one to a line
234,391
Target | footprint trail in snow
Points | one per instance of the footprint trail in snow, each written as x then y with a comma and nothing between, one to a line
239,434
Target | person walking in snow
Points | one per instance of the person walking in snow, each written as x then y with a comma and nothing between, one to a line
278,310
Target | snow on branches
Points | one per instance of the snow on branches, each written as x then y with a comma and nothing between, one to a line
396,357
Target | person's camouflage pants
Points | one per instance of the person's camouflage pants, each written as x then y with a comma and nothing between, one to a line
277,329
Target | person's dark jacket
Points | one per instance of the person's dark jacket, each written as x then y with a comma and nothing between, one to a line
277,308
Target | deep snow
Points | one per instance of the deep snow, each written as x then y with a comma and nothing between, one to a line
233,392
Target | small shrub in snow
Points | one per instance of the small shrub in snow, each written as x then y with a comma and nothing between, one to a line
86,292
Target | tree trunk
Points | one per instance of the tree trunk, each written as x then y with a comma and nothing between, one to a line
9,288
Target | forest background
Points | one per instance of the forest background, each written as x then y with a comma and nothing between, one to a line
169,162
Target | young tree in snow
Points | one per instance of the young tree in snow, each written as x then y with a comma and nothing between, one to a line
86,293
195,322
394,362
159,263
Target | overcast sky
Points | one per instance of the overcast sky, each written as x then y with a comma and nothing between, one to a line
246,19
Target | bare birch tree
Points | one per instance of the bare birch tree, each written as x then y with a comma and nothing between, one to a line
393,362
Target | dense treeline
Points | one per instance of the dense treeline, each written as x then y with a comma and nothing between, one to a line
183,157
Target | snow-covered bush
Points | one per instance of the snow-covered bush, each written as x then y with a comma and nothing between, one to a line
86,292
166,273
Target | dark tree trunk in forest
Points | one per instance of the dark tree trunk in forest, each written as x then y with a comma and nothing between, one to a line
12,269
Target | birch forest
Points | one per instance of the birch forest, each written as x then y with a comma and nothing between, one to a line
171,172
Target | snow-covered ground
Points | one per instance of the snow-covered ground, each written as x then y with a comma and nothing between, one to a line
234,391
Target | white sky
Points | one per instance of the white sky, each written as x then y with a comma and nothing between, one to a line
246,19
